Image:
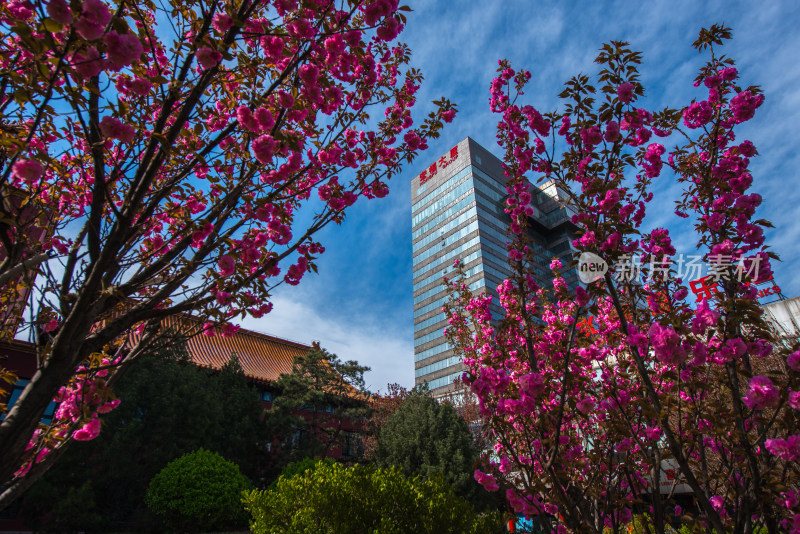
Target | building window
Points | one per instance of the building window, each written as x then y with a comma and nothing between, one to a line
16,391
267,396
352,445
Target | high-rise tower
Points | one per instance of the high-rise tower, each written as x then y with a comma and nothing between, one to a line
457,214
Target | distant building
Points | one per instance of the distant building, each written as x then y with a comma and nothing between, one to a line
785,317
457,213
263,359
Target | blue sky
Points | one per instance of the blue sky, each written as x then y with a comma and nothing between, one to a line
360,304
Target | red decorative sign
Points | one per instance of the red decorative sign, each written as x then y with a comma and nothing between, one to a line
705,287
443,162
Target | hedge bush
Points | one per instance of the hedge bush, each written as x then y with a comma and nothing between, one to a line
331,498
199,490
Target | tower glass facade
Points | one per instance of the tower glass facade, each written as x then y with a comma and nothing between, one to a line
457,214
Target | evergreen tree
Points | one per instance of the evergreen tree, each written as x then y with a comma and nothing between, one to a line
320,405
426,438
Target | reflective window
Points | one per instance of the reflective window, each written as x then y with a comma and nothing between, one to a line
438,303
438,349
458,192
441,364
468,201
446,242
454,180
428,337
444,381
437,277
449,256
455,223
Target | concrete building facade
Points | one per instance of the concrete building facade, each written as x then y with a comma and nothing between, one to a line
457,211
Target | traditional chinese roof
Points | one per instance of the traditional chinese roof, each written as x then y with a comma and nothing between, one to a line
262,357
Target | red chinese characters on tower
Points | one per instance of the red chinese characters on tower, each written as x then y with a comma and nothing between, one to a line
443,163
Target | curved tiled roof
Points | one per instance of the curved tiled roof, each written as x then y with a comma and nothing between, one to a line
262,357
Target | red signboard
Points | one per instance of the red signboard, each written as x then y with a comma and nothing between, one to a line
443,162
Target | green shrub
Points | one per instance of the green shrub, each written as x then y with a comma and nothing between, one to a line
300,467
331,498
199,490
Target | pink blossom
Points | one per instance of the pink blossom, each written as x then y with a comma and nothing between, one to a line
625,92
591,136
585,405
761,394
27,170
704,318
208,58
555,264
208,329
794,400
93,20
376,10
612,132
793,361
581,296
228,330
246,119
308,74
113,128
226,265
531,384
263,148
449,115
285,100
390,29
717,502
122,50
107,407
223,298
139,86
264,118
222,22
697,114
652,433
625,445
59,11
89,431
20,9
588,239
666,344
50,326
301,28
787,449
486,480
744,106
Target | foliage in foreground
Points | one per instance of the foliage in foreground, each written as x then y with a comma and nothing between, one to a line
169,407
363,499
200,490
588,391
178,157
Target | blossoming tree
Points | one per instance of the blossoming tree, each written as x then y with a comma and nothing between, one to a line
584,417
160,158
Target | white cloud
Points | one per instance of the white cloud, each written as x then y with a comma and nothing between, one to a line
389,353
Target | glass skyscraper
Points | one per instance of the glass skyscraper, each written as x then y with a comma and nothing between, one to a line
457,214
